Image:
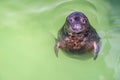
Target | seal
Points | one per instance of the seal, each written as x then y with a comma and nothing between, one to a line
77,35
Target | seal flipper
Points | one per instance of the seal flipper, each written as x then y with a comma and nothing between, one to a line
56,48
96,49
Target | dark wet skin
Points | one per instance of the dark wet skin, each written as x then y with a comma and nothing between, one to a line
77,35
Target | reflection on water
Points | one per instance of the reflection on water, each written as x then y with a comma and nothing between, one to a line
27,32
113,57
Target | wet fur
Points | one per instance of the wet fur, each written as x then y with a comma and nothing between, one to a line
73,42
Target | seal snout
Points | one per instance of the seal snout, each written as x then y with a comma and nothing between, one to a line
77,27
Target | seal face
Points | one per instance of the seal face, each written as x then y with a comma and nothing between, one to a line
77,35
76,22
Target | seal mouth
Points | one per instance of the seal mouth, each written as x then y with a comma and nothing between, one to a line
77,27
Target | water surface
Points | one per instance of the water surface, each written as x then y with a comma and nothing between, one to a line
27,32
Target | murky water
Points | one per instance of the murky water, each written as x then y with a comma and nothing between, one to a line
27,32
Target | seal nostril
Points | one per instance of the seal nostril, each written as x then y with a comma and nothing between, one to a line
76,18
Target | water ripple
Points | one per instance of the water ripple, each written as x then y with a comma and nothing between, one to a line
45,8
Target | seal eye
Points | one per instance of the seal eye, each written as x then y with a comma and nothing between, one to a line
71,20
83,20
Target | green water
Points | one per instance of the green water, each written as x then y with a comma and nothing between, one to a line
27,32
